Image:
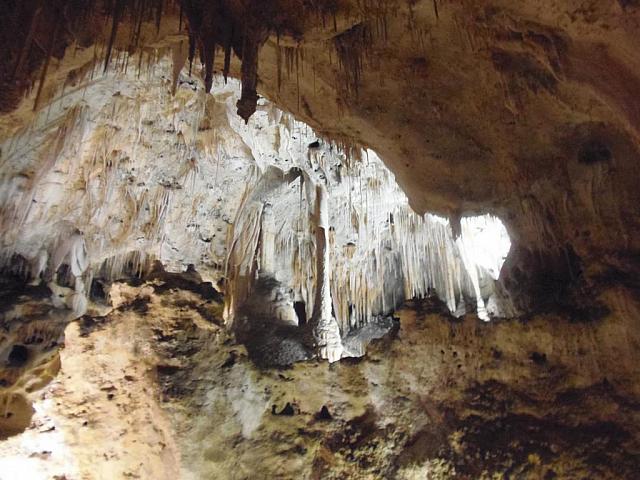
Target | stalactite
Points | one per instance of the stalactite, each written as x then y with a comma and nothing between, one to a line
278,68
208,52
297,79
227,54
252,42
158,8
350,47
24,51
118,10
45,67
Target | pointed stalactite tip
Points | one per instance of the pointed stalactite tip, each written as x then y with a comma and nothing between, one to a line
247,105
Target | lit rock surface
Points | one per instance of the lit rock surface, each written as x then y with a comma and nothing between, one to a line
117,174
110,178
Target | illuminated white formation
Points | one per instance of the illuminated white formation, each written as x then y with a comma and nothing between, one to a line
132,173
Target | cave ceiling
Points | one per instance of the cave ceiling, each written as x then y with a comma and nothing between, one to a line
528,109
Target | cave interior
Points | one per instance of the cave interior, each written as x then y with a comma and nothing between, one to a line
319,239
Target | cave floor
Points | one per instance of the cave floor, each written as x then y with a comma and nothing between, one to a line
158,389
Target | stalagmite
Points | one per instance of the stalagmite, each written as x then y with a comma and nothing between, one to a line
472,270
267,240
325,327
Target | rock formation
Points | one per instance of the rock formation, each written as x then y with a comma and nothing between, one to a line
271,184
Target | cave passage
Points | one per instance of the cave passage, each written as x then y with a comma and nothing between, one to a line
301,312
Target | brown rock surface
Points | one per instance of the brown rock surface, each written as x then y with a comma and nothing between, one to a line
171,396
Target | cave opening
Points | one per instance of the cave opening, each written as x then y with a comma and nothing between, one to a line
18,356
301,312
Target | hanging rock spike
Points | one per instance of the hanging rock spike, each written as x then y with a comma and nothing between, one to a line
118,10
251,46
